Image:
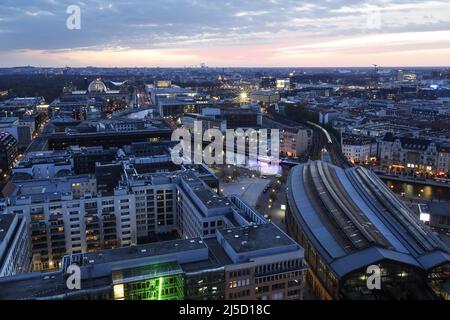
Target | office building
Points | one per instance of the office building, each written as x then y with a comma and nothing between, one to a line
8,152
266,97
257,262
15,254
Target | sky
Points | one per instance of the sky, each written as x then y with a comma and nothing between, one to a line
226,33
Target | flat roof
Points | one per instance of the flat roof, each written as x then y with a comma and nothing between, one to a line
209,198
142,251
256,237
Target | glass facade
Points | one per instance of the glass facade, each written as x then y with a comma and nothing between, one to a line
163,281
205,285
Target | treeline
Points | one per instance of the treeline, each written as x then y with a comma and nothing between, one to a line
300,113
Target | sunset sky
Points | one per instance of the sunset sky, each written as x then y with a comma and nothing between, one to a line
226,33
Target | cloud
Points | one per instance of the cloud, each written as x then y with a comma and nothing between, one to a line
250,13
210,26
38,13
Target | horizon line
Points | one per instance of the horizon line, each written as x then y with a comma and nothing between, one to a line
229,67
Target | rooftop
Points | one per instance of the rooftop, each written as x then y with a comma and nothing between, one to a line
142,251
256,237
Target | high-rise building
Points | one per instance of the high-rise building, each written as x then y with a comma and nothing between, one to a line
8,152
15,253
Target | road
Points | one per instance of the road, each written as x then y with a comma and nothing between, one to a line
248,189
270,202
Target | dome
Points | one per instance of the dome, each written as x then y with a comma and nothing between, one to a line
97,86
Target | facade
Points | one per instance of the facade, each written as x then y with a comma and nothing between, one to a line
8,152
267,97
358,149
191,269
172,100
78,104
443,159
411,155
43,165
123,202
107,139
348,220
15,254
436,215
294,142
261,268
177,106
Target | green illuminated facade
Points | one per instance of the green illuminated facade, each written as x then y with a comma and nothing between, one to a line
164,281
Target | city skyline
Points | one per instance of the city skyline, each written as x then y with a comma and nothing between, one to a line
232,34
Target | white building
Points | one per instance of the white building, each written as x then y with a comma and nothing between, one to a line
294,142
358,149
15,255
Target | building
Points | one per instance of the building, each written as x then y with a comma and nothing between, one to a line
43,165
177,106
172,100
29,103
266,97
165,90
246,116
436,215
21,130
443,159
294,142
107,139
208,122
15,254
347,220
266,264
359,149
413,155
78,104
258,262
327,116
121,202
8,152
268,83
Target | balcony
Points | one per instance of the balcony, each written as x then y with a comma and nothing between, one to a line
109,230
56,223
110,237
57,237
58,244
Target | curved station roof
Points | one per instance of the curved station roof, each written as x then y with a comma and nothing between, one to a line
353,220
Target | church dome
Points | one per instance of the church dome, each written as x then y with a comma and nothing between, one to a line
97,86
